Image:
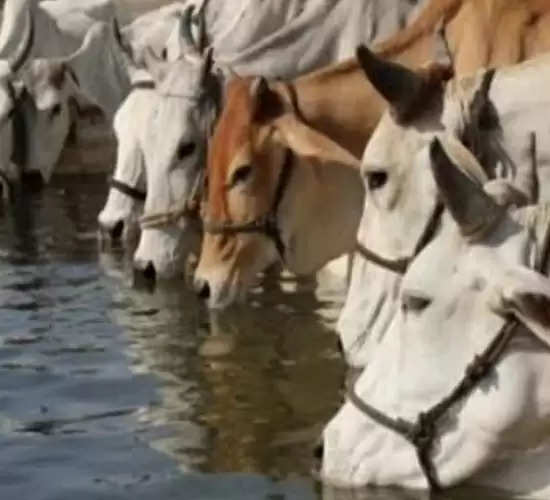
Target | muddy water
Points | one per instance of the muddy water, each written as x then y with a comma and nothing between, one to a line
107,392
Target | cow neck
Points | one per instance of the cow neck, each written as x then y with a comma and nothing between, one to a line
423,432
266,224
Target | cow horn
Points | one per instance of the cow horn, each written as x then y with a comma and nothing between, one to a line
121,42
207,64
527,181
397,84
185,28
473,210
23,50
198,18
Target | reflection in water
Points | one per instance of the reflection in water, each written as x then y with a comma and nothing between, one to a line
116,393
253,385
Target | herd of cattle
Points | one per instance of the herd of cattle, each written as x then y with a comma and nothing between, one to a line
252,133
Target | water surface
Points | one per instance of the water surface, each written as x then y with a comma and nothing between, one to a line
108,392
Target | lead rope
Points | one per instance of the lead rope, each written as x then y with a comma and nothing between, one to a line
423,432
130,191
189,208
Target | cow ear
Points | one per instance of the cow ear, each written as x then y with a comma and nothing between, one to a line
307,142
58,74
525,294
267,104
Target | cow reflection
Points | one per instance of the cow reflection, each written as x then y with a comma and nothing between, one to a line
245,391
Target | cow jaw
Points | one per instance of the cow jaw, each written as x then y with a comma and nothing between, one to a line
166,249
229,266
47,114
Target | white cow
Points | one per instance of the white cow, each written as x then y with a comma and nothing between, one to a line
60,25
56,86
284,53
477,280
128,183
38,105
493,112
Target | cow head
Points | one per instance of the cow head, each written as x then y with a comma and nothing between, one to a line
174,148
457,294
47,113
119,219
402,198
254,175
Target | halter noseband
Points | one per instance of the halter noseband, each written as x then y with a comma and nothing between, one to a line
121,186
132,192
265,224
400,265
423,432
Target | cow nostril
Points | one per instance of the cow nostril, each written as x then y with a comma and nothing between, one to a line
203,289
116,231
318,451
149,272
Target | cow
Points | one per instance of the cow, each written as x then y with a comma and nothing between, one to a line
401,208
477,295
118,220
337,30
40,112
61,87
60,25
334,112
259,41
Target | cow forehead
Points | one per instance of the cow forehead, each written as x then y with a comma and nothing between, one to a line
388,143
512,242
183,79
232,136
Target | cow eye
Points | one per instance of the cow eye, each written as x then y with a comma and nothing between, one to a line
376,179
185,149
414,302
241,174
55,110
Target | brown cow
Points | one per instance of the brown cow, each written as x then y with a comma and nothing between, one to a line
277,186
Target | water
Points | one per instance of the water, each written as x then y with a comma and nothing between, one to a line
107,392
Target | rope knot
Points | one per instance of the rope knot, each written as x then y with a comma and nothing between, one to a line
477,369
422,433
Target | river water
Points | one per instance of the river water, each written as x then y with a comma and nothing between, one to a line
111,392
108,392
